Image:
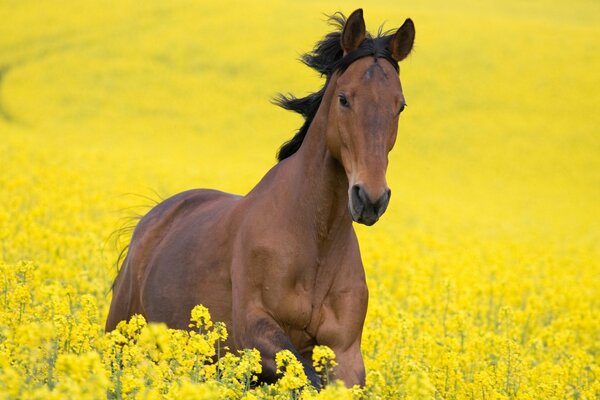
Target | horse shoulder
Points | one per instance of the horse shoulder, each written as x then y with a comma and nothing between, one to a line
270,260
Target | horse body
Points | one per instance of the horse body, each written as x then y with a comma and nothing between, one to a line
262,269
176,240
280,266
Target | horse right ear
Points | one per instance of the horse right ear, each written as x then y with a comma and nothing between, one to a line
403,40
354,31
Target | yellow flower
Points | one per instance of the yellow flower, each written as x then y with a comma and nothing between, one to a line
324,362
293,377
200,318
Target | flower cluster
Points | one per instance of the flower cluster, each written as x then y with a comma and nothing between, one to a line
153,360
323,359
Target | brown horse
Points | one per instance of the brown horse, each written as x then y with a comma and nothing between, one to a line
281,266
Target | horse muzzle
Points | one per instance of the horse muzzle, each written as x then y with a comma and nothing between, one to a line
363,209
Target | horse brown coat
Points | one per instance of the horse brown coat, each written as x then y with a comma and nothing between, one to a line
281,266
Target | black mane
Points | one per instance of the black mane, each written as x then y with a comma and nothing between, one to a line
326,58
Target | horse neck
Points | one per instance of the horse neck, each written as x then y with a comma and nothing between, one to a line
321,184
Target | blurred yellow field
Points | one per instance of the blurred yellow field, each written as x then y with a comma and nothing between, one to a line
484,274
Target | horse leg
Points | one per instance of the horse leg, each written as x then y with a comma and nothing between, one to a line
351,367
343,336
258,330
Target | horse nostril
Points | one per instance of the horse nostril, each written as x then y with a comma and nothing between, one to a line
381,205
365,210
361,194
357,199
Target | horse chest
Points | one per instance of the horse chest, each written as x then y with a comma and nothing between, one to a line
296,298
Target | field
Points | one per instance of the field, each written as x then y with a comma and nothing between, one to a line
484,273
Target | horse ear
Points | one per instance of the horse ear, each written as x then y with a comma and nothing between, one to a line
354,31
402,41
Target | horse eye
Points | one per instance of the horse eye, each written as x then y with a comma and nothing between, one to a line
343,100
402,107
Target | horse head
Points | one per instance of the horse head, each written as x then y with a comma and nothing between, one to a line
363,121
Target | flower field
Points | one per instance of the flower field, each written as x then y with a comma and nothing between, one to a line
484,274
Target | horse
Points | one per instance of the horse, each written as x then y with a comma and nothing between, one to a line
281,265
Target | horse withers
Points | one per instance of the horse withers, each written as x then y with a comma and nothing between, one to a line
281,266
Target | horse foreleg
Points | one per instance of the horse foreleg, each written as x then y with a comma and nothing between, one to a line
260,331
350,368
341,329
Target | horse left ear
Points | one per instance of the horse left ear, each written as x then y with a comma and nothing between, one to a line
354,31
402,41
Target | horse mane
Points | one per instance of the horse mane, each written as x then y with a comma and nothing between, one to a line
326,58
